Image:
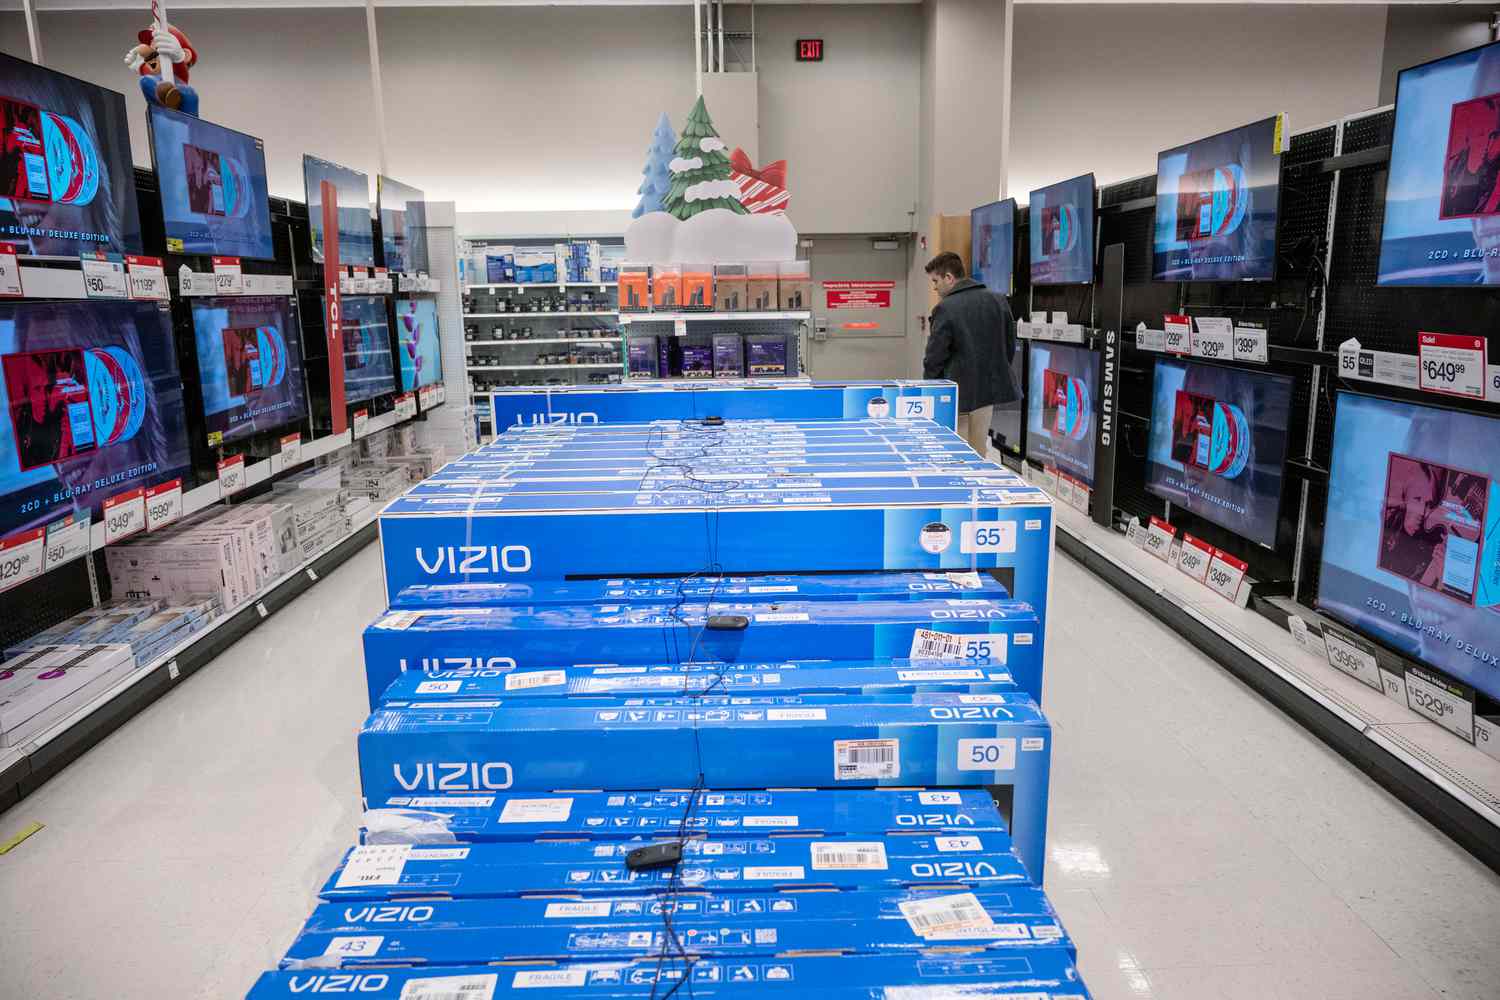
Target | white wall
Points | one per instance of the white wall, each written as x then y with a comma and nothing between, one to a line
1415,34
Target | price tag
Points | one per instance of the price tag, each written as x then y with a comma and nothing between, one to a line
1159,539
1250,344
260,609
1226,575
1150,340
1448,703
1135,534
103,275
232,476
229,279
1452,365
1214,340
10,272
148,282
1395,689
442,393
1352,658
291,450
679,327
1178,331
172,670
21,557
1194,556
124,515
163,504
67,540
1309,640
374,864
361,422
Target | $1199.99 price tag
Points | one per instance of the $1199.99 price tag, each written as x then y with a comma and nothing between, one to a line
1451,364
148,282
124,515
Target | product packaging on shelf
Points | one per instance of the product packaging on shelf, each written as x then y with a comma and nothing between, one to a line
794,285
697,287
635,288
666,287
44,683
730,290
104,624
760,286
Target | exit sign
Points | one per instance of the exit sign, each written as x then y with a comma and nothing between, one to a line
809,50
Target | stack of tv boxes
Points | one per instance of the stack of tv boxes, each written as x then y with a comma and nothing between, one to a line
736,709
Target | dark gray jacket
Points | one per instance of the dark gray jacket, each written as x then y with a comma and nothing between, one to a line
971,340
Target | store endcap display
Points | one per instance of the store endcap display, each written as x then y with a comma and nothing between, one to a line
213,187
66,181
356,232
992,235
249,364
93,406
1442,198
1411,542
1062,396
1062,232
1218,444
403,225
1216,206
368,368
418,344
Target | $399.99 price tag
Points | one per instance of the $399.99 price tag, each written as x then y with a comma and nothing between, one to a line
1450,364
21,557
124,515
1346,656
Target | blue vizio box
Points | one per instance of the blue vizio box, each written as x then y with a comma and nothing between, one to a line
763,589
930,740
1020,974
788,400
624,815
624,485
1007,633
721,865
720,682
468,932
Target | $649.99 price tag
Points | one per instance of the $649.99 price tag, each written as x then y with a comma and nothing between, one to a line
1452,365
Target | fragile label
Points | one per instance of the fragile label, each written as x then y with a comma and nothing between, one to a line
796,714
564,911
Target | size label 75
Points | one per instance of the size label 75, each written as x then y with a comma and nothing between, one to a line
914,408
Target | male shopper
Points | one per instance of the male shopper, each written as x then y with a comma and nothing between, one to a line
971,339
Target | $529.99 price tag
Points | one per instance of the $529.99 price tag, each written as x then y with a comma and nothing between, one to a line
1450,364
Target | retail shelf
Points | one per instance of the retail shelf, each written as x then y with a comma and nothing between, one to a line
539,315
544,340
714,317
548,284
528,368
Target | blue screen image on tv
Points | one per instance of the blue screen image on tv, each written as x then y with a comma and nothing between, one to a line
992,235
356,234
1062,397
1411,543
1062,232
213,187
368,367
1442,198
249,364
1216,204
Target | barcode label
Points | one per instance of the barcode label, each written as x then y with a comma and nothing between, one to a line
476,987
940,675
399,620
967,581
858,856
945,915
856,759
927,644
378,864
534,679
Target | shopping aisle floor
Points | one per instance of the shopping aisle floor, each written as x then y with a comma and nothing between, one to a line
1201,847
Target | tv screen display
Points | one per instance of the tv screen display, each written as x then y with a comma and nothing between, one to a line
992,236
66,182
213,187
1216,203
1218,444
356,234
1061,401
1411,544
765,355
368,368
1062,232
729,355
417,343
403,222
249,364
93,406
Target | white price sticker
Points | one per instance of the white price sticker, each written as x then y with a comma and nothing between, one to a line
10,272
103,275
478,986
22,557
442,393
163,504
1159,539
1250,344
291,450
1345,656
930,644
1226,575
1135,534
987,755
536,810
1150,340
914,408
1452,365
1306,637
526,680
987,536
124,515
1179,334
67,539
1214,340
939,916
148,282
232,476
374,864
229,279
855,760
844,855
1193,557
1446,703
361,423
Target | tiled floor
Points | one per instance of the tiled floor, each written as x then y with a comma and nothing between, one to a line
1202,846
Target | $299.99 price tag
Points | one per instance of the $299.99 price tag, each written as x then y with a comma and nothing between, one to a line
124,515
1159,539
1450,364
1179,334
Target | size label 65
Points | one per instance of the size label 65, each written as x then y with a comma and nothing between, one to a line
1450,364
987,536
124,515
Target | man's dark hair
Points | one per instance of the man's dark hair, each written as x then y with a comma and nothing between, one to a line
946,262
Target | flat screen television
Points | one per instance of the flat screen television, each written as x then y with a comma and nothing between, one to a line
765,354
368,369
1062,399
92,403
992,245
417,343
356,233
1218,444
213,187
729,355
66,181
1062,232
403,225
1411,542
1216,205
249,364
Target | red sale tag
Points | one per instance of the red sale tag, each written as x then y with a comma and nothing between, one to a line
124,515
1159,539
163,504
1193,558
291,450
1451,364
146,279
21,557
1179,334
10,272
232,476
1226,575
361,422
229,278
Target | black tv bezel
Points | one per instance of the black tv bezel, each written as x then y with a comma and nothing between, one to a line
314,223
1014,211
1092,232
151,113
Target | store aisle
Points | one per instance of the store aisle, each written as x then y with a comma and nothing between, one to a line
1202,846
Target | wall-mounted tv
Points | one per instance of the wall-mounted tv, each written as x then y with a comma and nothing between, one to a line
417,343
66,182
1062,232
403,225
92,406
213,187
1411,543
1216,205
249,364
1442,196
368,368
1218,444
1062,400
992,245
356,233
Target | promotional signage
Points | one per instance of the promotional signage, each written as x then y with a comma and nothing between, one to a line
67,539
858,294
124,515
1452,365
332,307
10,272
103,274
148,282
229,279
1179,334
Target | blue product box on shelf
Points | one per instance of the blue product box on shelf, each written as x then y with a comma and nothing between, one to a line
942,740
1006,633
435,819
1029,974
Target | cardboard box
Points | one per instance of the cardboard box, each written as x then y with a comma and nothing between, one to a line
760,285
635,288
697,288
794,285
104,624
731,289
45,683
666,287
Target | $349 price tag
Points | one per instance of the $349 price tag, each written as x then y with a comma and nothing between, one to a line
124,515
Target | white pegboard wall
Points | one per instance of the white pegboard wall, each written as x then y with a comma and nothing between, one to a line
446,426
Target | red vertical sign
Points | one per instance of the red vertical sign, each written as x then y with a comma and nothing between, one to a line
333,307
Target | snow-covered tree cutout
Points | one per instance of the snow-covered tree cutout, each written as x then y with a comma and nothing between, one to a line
700,171
657,178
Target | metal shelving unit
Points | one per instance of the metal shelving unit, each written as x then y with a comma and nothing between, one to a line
490,352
